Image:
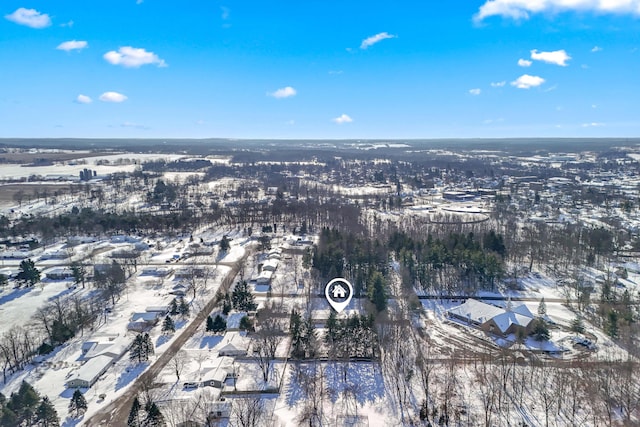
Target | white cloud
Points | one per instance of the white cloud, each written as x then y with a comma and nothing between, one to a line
226,13
475,91
29,17
200,122
498,84
592,125
284,92
112,97
526,81
370,41
134,126
343,119
524,62
72,45
596,49
522,9
67,24
132,57
83,99
557,57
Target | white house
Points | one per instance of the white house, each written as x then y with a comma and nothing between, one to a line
161,310
233,345
88,374
142,321
59,273
492,319
264,278
270,265
114,349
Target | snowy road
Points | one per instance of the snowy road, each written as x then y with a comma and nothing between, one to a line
117,412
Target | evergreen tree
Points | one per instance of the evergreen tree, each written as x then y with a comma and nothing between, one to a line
134,414
173,307
168,327
77,404
24,403
542,308
4,280
246,324
612,324
28,275
148,346
577,325
331,328
242,298
377,292
141,349
226,305
209,327
218,325
135,354
540,330
154,417
8,418
224,244
295,329
183,308
46,414
79,273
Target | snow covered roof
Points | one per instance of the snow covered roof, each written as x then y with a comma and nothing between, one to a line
114,349
480,312
144,316
91,370
523,310
508,318
270,264
476,311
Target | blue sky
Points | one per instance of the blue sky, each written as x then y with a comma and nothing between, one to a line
319,68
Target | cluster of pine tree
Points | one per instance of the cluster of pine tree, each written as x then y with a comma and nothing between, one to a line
216,325
147,416
26,407
242,298
178,306
352,337
454,263
142,348
303,337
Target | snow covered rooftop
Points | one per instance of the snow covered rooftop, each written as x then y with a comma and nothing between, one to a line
476,311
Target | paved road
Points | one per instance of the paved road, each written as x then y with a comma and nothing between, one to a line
116,413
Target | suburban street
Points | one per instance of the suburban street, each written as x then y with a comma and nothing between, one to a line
116,412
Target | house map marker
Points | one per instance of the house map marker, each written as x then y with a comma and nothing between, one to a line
339,293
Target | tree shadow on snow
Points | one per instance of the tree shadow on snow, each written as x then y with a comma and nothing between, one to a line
71,422
162,339
130,374
17,293
210,341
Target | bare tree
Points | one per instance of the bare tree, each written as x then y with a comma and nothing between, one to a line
178,363
248,411
268,337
